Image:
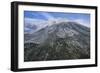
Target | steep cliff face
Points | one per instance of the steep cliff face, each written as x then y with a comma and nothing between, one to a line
60,41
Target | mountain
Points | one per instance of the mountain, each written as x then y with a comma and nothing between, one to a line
33,25
60,41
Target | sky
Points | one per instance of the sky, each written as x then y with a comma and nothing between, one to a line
39,16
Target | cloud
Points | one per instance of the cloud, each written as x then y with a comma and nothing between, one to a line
82,22
47,15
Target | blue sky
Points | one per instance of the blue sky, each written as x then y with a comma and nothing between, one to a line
85,18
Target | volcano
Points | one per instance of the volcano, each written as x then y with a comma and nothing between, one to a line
60,41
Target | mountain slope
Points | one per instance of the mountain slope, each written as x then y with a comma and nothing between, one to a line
61,41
